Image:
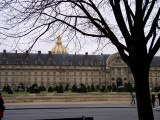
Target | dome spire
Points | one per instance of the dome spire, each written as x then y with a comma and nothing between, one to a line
59,48
59,41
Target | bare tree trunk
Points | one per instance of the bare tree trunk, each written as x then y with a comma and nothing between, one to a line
140,70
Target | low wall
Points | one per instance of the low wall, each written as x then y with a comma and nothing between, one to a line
66,97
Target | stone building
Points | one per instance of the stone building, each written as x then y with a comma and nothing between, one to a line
58,67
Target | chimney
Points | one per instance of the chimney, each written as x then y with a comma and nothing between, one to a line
49,55
16,55
27,54
39,55
86,55
4,53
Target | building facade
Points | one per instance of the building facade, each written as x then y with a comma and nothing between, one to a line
58,67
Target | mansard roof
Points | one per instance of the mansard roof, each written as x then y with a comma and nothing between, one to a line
52,59
59,59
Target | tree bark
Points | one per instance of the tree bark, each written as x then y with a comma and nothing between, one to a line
140,69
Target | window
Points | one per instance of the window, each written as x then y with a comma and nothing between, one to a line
13,73
156,74
113,72
29,73
13,80
67,73
54,73
80,73
0,73
91,80
74,73
60,73
80,80
41,79
29,79
91,73
67,80
86,80
35,79
119,71
21,73
6,73
99,73
54,79
100,80
60,79
74,80
35,73
48,73
48,80
41,73
86,74
6,80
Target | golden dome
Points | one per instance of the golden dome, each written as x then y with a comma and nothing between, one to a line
59,48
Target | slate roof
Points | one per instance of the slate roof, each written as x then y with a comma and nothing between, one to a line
60,59
55,59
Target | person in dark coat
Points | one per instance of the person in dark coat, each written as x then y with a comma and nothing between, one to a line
2,108
133,97
153,100
159,98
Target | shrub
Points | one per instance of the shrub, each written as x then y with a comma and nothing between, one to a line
106,90
34,89
42,88
82,88
50,89
152,90
60,89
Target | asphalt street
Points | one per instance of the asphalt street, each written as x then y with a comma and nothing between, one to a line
97,111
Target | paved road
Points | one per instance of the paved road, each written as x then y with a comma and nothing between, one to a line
98,111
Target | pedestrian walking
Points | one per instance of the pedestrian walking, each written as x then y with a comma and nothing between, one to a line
153,99
2,107
159,98
133,96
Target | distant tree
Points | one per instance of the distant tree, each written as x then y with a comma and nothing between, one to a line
97,87
107,90
109,87
156,89
8,89
128,87
34,89
114,88
103,88
92,88
4,89
55,88
74,88
89,88
67,87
